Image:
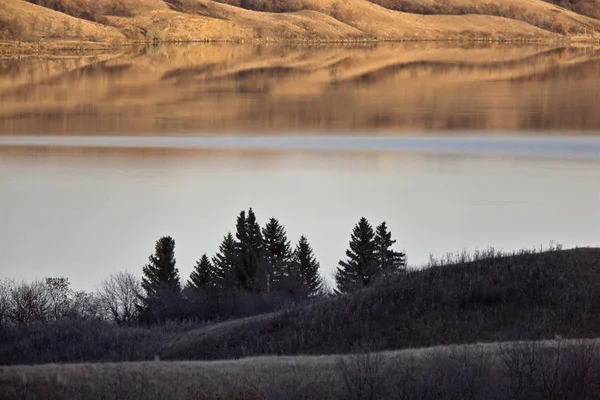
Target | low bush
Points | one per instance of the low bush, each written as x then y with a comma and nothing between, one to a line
277,6
92,10
553,370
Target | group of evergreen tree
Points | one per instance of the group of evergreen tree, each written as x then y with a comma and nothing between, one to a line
260,261
370,256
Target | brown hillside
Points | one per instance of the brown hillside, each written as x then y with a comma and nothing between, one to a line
333,20
534,12
20,20
591,8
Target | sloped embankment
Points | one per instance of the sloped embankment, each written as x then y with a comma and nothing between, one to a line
492,298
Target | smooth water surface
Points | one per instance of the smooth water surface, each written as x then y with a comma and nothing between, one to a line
454,147
87,213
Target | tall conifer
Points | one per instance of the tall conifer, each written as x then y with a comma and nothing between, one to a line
304,261
277,255
161,284
361,267
249,248
204,277
388,260
225,263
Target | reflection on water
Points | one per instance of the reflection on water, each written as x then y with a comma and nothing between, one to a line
85,206
574,147
210,88
85,213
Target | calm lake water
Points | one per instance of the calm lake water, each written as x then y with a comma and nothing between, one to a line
455,147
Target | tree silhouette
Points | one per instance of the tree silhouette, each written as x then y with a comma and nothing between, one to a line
361,265
388,260
304,261
160,283
249,247
277,255
204,277
119,296
225,262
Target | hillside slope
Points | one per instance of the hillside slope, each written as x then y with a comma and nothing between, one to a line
329,20
20,20
493,298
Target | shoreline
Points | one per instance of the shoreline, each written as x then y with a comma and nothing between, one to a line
9,49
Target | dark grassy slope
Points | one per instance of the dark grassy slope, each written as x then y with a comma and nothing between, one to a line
491,298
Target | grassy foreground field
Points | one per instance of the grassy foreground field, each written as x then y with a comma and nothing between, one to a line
525,370
483,326
83,24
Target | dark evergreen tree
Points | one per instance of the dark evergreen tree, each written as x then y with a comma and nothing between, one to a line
160,283
277,255
249,248
388,260
160,273
225,262
361,267
304,261
204,277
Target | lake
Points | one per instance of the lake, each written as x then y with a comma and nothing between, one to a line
454,146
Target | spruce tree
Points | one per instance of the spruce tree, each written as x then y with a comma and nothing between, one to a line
277,255
249,247
361,267
160,283
304,261
204,277
225,262
160,274
388,260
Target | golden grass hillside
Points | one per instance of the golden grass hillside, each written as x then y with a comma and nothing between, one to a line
22,21
314,20
550,370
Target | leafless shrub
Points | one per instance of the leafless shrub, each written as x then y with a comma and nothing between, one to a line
118,8
551,371
30,302
15,29
362,376
119,295
92,10
267,5
5,302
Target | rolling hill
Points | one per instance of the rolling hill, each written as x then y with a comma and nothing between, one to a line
107,21
489,298
466,327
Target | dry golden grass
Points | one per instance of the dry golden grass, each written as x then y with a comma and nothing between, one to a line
39,23
209,88
476,367
318,20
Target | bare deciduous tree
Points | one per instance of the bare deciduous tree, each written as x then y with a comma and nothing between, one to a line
59,296
5,302
30,302
86,306
120,295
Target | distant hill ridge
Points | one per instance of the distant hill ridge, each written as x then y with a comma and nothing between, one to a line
109,21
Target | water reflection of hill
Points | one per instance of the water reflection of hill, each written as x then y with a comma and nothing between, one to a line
212,88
